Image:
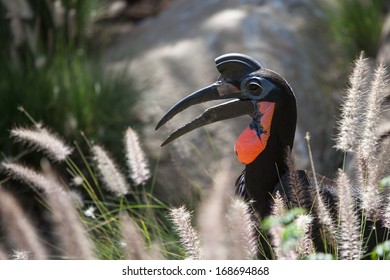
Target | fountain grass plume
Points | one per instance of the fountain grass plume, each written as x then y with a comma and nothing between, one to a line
42,139
212,217
21,255
241,228
351,111
378,89
278,209
367,150
349,230
322,210
189,237
74,242
386,214
383,164
68,229
297,196
31,177
19,231
304,246
136,159
110,174
133,241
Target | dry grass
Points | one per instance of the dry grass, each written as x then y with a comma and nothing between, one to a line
133,242
136,159
18,227
349,240
41,139
69,236
110,174
189,237
68,229
225,227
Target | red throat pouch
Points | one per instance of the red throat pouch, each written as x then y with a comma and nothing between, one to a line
253,139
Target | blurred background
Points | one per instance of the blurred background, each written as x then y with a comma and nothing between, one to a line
99,66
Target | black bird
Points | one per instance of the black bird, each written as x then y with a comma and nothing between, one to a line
269,100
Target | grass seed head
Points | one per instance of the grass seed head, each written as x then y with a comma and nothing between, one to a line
136,159
111,176
189,237
351,111
43,140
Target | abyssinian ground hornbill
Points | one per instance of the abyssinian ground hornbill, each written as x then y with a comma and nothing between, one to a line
268,99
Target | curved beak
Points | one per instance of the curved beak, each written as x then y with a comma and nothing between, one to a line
227,110
200,96
218,90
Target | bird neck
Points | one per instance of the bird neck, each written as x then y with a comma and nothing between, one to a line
264,173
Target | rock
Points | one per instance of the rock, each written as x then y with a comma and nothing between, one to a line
384,50
173,54
384,57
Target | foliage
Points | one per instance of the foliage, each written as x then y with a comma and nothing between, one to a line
84,189
357,25
382,251
48,69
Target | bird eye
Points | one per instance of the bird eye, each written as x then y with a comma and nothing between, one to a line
254,87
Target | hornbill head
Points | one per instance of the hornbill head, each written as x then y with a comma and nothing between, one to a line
258,92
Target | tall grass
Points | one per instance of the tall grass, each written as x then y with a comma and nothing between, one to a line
88,209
